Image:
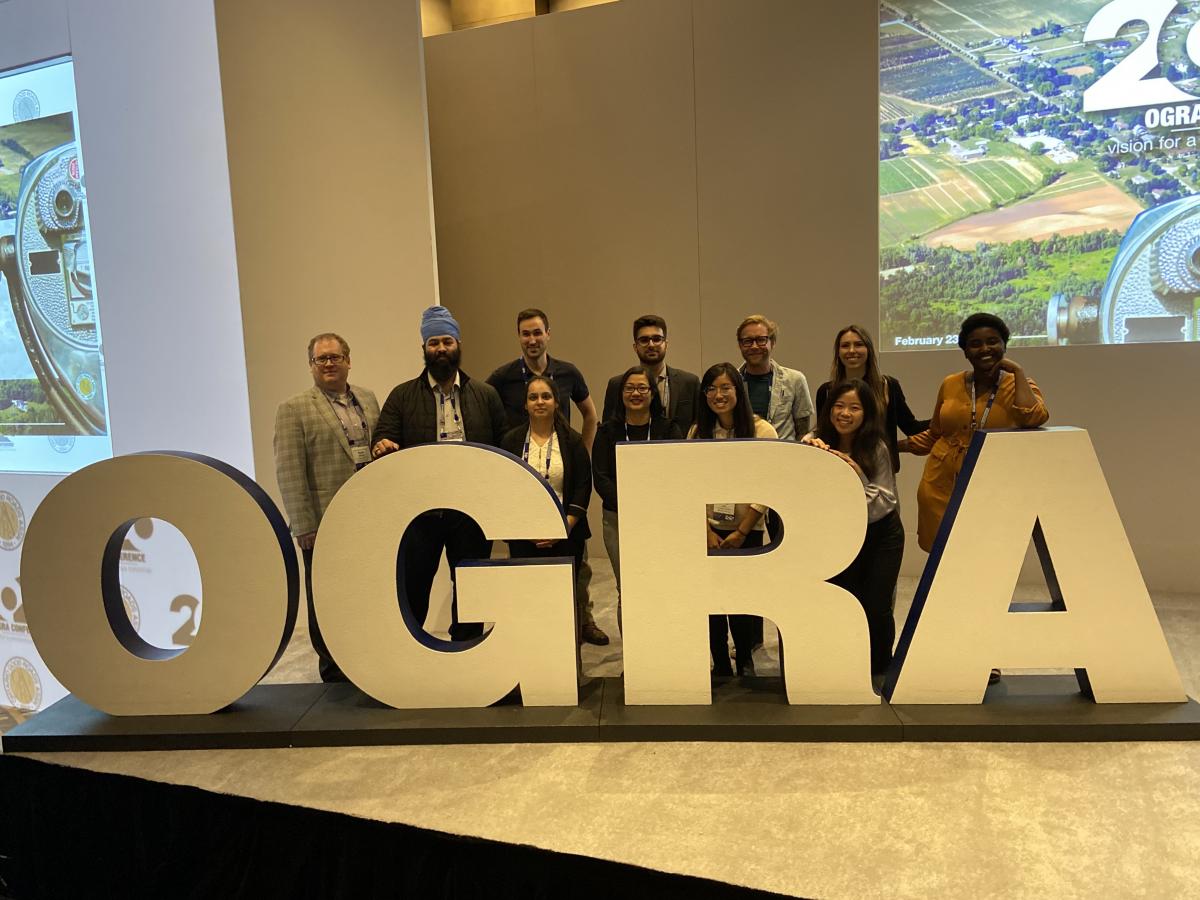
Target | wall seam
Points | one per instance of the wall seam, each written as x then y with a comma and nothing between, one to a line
696,163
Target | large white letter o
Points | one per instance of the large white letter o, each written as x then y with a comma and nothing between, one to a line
72,593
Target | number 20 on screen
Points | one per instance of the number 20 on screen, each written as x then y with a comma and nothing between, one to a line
1126,86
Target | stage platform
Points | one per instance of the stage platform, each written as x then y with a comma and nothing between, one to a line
1018,708
897,819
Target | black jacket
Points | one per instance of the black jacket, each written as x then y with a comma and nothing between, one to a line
897,415
685,395
577,471
409,415
604,453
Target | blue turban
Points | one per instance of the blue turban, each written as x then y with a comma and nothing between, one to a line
437,321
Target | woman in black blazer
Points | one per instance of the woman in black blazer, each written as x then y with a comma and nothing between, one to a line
558,455
638,417
854,357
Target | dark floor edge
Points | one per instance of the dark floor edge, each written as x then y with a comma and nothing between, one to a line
269,849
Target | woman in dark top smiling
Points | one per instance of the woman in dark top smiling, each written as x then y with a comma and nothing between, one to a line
854,357
639,417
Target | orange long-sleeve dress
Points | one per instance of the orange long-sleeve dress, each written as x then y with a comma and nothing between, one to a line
949,434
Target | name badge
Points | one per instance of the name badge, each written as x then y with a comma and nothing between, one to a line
724,512
360,453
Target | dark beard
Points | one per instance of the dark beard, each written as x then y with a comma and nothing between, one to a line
443,368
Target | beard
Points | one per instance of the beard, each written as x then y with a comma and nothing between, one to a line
442,364
649,357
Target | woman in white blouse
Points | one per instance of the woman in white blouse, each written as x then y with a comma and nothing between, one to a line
726,413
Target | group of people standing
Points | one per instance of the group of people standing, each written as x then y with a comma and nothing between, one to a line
323,435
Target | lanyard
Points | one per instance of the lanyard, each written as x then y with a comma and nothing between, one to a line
526,374
549,452
987,409
362,418
453,409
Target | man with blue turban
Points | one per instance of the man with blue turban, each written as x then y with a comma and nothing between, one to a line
441,404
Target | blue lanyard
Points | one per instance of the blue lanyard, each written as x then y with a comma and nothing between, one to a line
453,409
549,452
987,409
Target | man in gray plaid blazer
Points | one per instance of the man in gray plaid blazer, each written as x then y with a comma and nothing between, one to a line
322,437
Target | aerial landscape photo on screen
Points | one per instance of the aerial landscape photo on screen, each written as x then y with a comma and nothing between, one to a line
1019,140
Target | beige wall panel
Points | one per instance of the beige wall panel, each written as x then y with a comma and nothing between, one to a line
483,123
786,138
574,191
618,180
328,158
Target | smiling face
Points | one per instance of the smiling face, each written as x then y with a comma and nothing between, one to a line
534,336
650,345
635,393
329,365
984,348
847,413
852,351
755,342
539,401
721,395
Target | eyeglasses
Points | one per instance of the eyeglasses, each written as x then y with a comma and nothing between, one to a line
647,340
636,389
723,390
329,359
749,342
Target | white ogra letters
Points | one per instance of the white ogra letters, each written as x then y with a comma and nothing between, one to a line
1104,622
670,583
72,594
354,583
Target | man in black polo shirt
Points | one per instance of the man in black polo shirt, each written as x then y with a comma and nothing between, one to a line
533,331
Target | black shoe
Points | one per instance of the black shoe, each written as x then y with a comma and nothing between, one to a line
592,634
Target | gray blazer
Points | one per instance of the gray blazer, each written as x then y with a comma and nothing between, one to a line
312,455
685,394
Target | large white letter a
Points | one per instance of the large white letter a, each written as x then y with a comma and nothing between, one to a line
1105,624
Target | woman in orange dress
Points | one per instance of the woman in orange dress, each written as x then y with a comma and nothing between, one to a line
993,393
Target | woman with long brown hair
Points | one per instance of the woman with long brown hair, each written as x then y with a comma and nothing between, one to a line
854,357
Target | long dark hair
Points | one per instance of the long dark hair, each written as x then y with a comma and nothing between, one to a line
560,421
656,407
864,446
743,415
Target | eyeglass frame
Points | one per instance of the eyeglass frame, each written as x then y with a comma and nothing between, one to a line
721,390
328,359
